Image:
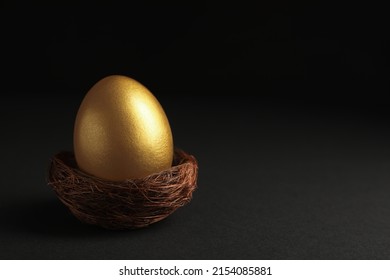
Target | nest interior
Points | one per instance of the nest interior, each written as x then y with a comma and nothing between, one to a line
132,203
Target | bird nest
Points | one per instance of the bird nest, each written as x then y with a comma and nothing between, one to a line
131,203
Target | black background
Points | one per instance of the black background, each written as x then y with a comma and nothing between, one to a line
285,108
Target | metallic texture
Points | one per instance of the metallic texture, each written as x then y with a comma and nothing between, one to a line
121,131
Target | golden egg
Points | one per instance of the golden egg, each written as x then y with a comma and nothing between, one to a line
121,131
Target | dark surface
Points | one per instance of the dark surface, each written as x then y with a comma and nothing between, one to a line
285,109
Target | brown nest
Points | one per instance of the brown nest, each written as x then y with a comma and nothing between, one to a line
127,204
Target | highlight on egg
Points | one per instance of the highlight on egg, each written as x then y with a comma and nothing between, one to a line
121,131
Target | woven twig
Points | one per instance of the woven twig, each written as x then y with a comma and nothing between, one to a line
127,204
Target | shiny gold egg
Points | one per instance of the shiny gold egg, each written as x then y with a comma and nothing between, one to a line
121,131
